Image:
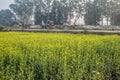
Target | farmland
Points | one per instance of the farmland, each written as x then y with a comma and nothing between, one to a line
59,56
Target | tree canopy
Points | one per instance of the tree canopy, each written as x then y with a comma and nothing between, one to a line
7,18
61,11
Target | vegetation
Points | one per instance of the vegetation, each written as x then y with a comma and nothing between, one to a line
1,28
42,56
7,18
94,12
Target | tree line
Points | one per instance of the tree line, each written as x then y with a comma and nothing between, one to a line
60,11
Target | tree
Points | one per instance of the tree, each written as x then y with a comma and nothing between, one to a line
54,10
109,9
23,10
79,6
115,15
92,13
42,10
59,12
7,18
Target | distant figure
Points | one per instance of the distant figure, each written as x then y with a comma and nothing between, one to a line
43,25
48,24
51,24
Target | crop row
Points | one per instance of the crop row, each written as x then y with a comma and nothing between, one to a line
43,56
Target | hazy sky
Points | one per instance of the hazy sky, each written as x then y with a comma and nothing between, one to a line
4,4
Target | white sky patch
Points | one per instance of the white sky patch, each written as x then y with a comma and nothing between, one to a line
4,4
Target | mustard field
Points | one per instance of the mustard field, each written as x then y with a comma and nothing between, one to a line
59,56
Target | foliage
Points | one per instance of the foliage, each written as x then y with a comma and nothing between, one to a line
93,13
115,19
59,12
23,10
42,56
62,11
1,28
7,18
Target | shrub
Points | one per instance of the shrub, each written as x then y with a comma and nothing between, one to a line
1,28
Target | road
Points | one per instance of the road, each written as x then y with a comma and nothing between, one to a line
72,31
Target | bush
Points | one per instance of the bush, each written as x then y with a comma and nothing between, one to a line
1,28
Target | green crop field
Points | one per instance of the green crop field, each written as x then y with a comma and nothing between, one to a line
59,56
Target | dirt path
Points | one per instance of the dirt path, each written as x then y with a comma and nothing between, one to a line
72,31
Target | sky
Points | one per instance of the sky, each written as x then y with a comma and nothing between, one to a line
4,4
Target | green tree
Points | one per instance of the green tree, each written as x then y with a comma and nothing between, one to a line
59,12
92,13
54,10
42,10
115,15
79,7
7,18
23,10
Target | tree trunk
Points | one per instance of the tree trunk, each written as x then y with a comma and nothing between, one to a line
107,20
77,18
102,21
